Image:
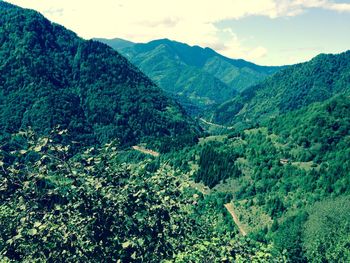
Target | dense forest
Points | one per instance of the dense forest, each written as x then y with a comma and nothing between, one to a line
289,89
98,164
94,208
68,109
197,77
288,168
50,77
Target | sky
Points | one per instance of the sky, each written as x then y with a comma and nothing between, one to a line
266,32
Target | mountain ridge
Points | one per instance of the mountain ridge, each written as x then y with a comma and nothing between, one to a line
193,72
290,89
51,77
115,43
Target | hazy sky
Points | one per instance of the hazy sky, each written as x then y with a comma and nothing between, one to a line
268,32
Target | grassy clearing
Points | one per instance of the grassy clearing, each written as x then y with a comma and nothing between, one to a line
218,138
263,130
307,166
252,218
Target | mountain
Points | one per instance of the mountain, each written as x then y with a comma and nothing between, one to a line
288,178
301,164
197,74
290,89
102,204
51,77
116,43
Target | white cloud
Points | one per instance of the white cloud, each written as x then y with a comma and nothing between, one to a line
257,53
235,47
192,21
296,7
338,7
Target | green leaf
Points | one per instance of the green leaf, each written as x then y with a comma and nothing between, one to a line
126,244
37,224
32,232
37,148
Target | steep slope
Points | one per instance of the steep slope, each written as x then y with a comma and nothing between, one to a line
89,208
200,74
298,159
290,89
116,43
50,77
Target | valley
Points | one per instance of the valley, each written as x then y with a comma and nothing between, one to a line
117,151
197,77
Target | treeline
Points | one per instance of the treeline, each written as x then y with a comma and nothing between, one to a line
291,164
91,208
51,77
216,165
289,89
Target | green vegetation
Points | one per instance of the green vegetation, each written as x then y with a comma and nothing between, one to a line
289,89
66,193
216,165
326,236
92,208
298,159
116,43
50,77
72,189
197,77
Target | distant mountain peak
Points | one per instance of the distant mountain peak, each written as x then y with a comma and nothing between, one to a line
199,77
116,43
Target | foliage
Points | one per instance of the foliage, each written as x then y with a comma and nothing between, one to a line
326,236
291,88
288,236
69,195
51,77
90,208
320,132
225,249
216,165
299,158
197,77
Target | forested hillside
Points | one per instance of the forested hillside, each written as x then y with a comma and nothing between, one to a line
268,181
50,77
194,74
282,173
290,89
96,208
100,202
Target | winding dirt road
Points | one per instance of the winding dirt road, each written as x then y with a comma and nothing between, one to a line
228,206
231,210
146,151
216,125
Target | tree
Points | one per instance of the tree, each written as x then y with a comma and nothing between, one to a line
326,232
